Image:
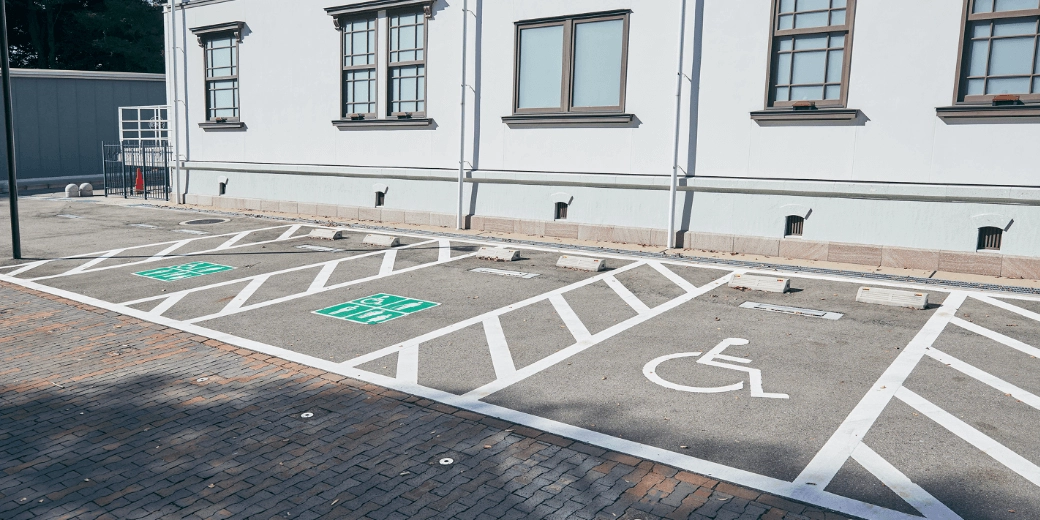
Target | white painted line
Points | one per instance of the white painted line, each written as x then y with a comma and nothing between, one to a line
570,318
93,262
829,460
704,467
444,331
669,274
443,250
173,247
895,480
191,231
998,451
1008,307
320,249
289,232
323,277
408,363
388,262
985,377
754,373
166,304
243,295
27,267
501,358
579,347
631,299
231,241
998,337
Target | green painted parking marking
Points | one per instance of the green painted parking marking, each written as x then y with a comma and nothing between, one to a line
378,308
180,272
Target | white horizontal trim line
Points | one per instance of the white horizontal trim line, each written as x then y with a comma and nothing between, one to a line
86,74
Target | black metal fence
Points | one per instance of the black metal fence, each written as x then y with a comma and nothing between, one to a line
137,170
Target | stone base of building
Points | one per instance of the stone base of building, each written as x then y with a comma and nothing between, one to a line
980,263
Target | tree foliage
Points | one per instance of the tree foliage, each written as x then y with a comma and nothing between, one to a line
114,35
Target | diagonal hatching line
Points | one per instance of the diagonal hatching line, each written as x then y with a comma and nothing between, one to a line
173,247
283,271
561,355
166,304
444,250
570,319
998,337
622,291
388,262
289,232
998,451
986,377
329,288
408,363
501,358
457,326
27,267
93,262
323,276
830,459
1007,306
890,476
231,241
243,295
669,274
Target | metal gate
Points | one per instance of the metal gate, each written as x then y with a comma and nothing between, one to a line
137,170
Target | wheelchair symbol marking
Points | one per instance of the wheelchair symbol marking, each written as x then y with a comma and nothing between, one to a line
649,370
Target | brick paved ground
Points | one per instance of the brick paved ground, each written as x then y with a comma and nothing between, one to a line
105,416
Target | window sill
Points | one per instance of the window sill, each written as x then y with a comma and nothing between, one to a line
343,124
818,114
971,112
584,118
231,125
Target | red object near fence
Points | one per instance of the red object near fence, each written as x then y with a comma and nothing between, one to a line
139,184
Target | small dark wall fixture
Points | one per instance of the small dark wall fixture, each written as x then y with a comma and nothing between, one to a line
380,199
794,226
561,211
990,238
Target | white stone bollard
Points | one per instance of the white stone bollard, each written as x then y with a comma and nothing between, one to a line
72,190
86,190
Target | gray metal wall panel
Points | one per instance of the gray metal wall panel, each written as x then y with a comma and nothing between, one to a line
60,123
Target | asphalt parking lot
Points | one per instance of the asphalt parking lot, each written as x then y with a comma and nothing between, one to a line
883,413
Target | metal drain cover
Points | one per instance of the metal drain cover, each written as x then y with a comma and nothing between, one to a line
812,313
204,221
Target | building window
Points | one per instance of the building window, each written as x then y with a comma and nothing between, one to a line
794,226
222,78
989,238
380,198
999,56
575,64
561,211
359,67
811,45
407,63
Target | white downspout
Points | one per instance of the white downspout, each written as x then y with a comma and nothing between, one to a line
678,117
460,223
176,107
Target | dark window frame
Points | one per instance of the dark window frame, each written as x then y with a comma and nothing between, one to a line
390,66
968,20
345,69
567,77
232,31
776,34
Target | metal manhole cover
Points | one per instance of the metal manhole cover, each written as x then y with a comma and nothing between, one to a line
204,221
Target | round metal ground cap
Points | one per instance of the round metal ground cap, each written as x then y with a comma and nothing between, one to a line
306,415
446,461
204,221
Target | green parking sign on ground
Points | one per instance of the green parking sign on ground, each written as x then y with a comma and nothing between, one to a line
180,272
378,308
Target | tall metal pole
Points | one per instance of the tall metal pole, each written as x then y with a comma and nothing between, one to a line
12,177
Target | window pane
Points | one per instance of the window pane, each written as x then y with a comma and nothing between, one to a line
783,69
786,44
407,90
976,87
786,6
1015,5
786,22
1007,86
833,92
811,42
812,5
837,41
806,93
808,67
1014,28
803,21
597,63
1012,56
781,94
541,67
839,3
838,17
1036,85
981,30
983,6
835,59
979,58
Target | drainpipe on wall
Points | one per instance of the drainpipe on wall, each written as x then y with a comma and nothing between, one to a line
176,107
678,117
460,223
